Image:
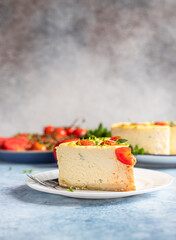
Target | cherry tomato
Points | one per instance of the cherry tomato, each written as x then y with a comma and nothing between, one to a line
57,144
39,146
79,132
70,131
85,143
115,138
161,123
60,132
108,142
27,143
43,138
48,129
58,136
23,135
17,143
2,139
125,156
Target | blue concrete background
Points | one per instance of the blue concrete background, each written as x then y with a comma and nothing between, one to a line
104,60
29,214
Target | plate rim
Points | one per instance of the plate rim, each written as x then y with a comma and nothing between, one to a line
101,194
25,152
157,155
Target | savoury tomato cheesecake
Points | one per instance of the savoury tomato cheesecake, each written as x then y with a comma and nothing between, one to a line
99,164
154,138
172,126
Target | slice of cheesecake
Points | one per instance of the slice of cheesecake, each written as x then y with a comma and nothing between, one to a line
155,139
99,164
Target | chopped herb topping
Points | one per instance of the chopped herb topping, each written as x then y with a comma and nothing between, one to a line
24,171
10,168
102,141
121,140
70,190
31,170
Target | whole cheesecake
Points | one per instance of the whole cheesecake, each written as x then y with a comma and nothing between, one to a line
153,137
99,164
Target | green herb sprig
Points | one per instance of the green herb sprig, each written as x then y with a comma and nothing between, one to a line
136,150
100,131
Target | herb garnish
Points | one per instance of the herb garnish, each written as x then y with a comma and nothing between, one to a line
136,150
98,132
70,190
30,171
171,124
121,140
10,168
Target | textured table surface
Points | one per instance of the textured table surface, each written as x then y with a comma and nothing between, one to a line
29,214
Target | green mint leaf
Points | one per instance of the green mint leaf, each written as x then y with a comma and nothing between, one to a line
24,171
31,170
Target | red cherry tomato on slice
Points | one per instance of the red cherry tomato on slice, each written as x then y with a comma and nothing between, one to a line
57,144
79,132
48,129
60,132
125,156
85,143
108,142
115,138
70,131
161,123
39,146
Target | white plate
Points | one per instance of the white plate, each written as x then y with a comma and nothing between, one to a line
164,160
145,180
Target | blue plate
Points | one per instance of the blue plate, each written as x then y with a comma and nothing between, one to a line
27,157
159,160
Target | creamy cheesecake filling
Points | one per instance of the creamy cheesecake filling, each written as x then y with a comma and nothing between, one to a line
95,167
